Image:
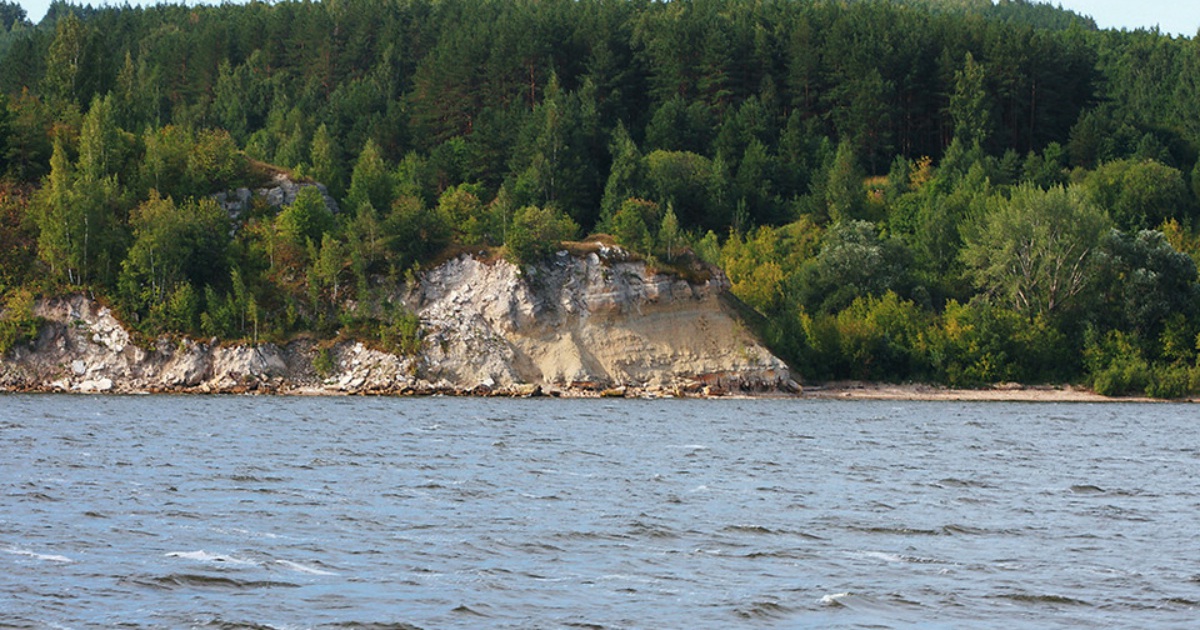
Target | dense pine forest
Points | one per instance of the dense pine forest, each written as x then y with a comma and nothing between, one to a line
953,191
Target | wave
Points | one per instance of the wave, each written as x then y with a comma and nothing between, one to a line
296,566
37,556
953,528
463,609
890,607
1030,598
834,599
200,580
204,556
955,482
375,625
901,531
763,610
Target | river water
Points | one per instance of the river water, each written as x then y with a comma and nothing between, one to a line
278,512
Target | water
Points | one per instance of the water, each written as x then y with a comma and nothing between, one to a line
257,512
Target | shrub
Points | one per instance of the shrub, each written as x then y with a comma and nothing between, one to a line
402,334
324,363
18,324
1116,364
536,232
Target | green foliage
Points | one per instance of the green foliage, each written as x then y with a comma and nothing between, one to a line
326,270
1146,282
66,64
370,181
537,232
232,315
691,183
324,363
1115,364
970,106
18,236
631,225
308,218
18,324
179,313
854,261
401,333
214,162
625,177
844,196
874,338
1035,249
756,264
416,232
175,249
981,343
473,223
750,115
1139,194
325,160
669,239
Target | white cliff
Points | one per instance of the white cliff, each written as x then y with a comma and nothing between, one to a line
576,325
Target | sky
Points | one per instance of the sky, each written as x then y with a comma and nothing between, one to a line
1178,17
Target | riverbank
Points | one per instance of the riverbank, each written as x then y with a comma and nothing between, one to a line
1007,392
847,390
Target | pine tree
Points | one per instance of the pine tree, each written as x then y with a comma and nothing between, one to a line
64,62
844,195
58,217
625,177
370,181
970,106
325,159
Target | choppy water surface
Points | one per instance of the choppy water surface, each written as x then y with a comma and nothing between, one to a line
169,512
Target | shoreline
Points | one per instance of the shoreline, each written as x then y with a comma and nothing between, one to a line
839,390
1006,392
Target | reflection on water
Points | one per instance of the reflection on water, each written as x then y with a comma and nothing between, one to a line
225,512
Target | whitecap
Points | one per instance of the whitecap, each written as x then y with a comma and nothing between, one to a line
296,566
204,556
881,555
833,598
37,556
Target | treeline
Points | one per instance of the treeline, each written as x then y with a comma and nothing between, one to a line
959,191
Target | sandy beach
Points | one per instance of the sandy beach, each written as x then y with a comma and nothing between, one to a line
1008,392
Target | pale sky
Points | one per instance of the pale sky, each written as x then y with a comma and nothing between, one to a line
1179,17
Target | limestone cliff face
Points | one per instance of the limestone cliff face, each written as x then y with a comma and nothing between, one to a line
586,322
572,325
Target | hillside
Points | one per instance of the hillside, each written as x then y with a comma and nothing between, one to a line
575,326
960,192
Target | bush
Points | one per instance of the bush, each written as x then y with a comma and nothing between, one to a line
1116,364
981,343
401,335
536,232
880,338
18,324
323,363
631,225
1169,381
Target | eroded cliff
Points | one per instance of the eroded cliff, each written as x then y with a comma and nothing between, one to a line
577,324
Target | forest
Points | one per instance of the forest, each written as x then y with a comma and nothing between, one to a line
952,191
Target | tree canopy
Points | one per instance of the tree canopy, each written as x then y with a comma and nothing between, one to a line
960,191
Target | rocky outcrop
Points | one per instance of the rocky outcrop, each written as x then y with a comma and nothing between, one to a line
587,323
595,324
281,191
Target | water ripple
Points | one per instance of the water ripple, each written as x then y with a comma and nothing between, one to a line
403,514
